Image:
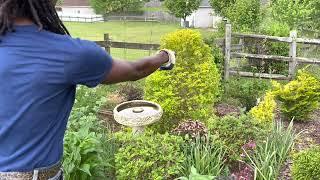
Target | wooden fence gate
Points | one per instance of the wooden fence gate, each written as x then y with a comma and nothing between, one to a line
293,60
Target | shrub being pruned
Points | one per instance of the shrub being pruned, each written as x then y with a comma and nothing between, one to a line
190,90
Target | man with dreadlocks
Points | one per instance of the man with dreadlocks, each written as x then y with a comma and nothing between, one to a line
40,67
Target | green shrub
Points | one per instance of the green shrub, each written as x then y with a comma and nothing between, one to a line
300,97
216,51
235,132
204,154
191,88
149,156
306,164
269,156
247,91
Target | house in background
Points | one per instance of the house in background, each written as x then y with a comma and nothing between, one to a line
77,10
204,17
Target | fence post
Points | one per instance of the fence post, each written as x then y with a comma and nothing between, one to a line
293,54
107,41
227,51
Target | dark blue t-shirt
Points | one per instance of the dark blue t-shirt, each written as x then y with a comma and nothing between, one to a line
39,71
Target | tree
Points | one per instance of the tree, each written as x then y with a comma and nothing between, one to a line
221,6
182,8
296,13
59,2
109,6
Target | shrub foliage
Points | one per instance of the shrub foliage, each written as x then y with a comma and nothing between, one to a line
306,164
300,97
189,90
264,112
149,156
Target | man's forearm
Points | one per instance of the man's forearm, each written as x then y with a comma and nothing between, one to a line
148,65
131,71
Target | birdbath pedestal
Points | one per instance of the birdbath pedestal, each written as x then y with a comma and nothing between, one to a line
137,114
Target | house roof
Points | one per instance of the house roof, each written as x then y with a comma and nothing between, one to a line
75,3
205,3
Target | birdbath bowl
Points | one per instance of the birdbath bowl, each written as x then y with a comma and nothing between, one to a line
137,114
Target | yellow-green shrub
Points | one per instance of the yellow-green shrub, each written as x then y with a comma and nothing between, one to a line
191,88
299,97
264,112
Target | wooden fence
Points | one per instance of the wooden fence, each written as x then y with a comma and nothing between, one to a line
91,19
229,52
107,43
293,60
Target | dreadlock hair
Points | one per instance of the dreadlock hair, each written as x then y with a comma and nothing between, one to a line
41,12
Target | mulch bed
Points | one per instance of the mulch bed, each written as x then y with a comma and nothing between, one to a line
309,135
226,109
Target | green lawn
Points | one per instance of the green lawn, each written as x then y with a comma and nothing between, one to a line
143,32
140,32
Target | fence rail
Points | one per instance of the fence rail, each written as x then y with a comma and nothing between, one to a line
81,19
108,43
293,59
229,52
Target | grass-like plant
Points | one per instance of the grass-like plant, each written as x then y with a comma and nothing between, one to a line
270,155
204,155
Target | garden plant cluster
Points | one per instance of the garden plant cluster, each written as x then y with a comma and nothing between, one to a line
192,141
240,128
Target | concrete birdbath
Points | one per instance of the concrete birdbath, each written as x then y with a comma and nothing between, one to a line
137,114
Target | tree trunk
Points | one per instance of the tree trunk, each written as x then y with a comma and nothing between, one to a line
185,23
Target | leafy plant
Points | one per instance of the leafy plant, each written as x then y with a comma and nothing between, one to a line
270,155
235,132
87,154
191,128
306,164
264,113
247,91
205,155
245,15
88,147
149,156
182,8
300,97
191,88
221,6
296,13
194,175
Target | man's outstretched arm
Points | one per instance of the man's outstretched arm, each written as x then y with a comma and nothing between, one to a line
131,71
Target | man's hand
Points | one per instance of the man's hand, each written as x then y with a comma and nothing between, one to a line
172,60
131,71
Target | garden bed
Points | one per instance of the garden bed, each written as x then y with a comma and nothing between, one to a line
310,135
